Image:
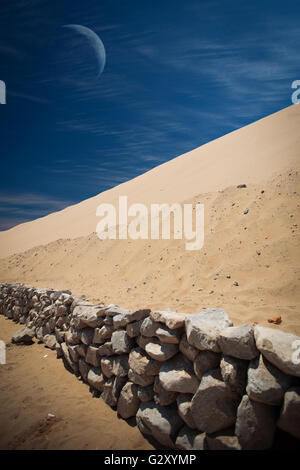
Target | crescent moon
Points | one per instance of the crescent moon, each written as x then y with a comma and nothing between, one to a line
95,42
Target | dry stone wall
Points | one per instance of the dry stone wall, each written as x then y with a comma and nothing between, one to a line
193,382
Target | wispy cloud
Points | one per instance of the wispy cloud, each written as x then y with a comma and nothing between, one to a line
23,207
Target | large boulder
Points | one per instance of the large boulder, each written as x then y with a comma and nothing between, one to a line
266,383
239,342
289,419
255,424
177,375
279,347
95,378
121,343
92,356
214,405
88,315
203,329
123,319
129,401
161,422
141,363
24,335
50,341
161,351
171,319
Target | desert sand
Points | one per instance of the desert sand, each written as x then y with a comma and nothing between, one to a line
33,385
249,265
259,250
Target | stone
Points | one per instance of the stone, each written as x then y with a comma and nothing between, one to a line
102,334
133,329
214,405
205,361
73,352
189,439
187,349
145,393
289,420
234,373
161,352
87,315
124,319
184,401
95,378
92,356
171,319
149,327
87,336
142,341
223,440
50,341
177,375
112,389
106,349
162,396
24,335
115,366
279,347
68,358
81,350
141,363
166,335
239,342
266,383
128,402
113,310
203,329
121,343
73,336
255,424
161,422
83,369
143,380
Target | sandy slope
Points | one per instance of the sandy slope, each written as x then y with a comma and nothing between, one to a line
250,155
31,386
260,250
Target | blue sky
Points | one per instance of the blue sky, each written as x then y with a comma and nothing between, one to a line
178,74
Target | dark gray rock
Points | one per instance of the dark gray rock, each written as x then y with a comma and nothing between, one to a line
289,419
266,383
214,405
255,424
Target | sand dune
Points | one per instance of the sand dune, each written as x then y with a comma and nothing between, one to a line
258,250
250,154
